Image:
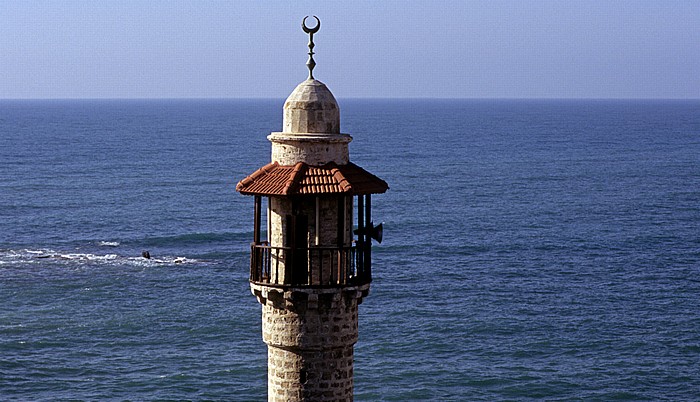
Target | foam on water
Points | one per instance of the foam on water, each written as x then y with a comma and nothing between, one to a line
108,243
22,257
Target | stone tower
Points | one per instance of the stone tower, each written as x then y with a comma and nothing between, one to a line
311,272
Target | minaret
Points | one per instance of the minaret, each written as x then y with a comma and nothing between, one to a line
311,272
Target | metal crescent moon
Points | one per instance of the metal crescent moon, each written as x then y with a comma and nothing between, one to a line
310,30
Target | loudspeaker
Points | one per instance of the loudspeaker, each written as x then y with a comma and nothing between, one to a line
375,232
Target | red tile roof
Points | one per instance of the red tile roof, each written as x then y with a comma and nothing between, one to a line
302,179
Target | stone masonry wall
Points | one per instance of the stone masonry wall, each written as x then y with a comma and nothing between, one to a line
310,336
288,149
324,375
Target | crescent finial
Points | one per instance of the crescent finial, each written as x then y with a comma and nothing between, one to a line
311,31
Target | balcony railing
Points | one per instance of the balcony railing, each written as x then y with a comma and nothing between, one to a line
315,266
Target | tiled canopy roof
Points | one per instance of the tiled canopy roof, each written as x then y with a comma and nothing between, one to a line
302,179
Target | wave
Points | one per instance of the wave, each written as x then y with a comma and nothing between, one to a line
164,250
42,256
108,243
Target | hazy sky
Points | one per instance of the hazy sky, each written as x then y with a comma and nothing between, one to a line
448,49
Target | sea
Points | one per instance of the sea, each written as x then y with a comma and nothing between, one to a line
533,249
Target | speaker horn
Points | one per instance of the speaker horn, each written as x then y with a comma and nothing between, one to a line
377,232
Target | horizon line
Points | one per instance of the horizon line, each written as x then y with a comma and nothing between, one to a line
342,98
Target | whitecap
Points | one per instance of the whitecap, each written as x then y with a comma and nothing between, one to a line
27,251
13,256
164,260
9,257
108,243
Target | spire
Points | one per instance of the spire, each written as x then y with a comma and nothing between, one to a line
311,31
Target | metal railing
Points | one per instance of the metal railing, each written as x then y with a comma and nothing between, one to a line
315,266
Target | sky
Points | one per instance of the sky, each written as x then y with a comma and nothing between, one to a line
364,49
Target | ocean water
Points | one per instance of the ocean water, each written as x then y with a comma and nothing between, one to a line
533,249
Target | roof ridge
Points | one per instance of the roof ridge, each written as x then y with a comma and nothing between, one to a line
339,177
294,178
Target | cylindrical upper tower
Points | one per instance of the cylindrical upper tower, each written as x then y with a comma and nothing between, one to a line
311,274
311,127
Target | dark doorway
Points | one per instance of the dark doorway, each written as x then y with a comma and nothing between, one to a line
297,240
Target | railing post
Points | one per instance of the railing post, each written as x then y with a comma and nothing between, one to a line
360,234
353,261
339,277
265,264
368,229
253,265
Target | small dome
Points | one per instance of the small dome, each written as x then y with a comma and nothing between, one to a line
311,108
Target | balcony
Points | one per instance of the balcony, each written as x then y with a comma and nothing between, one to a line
315,266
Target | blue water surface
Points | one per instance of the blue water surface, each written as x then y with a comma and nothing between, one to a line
534,249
